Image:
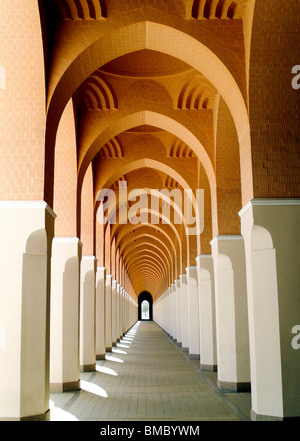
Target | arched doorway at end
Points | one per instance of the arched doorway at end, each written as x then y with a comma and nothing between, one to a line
145,312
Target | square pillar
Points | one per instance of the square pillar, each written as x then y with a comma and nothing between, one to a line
231,313
118,312
184,313
26,234
178,312
114,312
271,231
108,321
100,313
193,312
87,313
64,326
207,313
173,318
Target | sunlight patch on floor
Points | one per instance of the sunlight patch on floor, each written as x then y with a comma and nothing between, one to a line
57,414
93,388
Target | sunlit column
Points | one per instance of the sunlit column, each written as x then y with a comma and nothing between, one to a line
184,313
271,231
25,236
108,313
114,312
118,311
64,326
207,314
231,313
178,312
174,312
193,312
100,313
121,331
87,313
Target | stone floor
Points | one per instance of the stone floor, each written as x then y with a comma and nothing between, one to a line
148,378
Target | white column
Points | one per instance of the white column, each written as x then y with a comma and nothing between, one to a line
231,313
122,307
193,312
108,313
184,313
100,313
64,326
87,313
178,312
118,311
114,312
174,313
170,321
25,236
207,313
271,231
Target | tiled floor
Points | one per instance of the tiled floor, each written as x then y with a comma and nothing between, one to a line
147,378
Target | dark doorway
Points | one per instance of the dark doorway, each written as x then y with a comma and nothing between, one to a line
145,306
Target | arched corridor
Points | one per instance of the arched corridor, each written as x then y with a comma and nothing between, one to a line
149,151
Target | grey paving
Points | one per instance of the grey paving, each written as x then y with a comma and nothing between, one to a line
148,378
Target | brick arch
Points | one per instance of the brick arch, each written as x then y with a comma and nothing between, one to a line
157,228
173,265
152,211
157,120
98,130
161,38
154,193
163,244
147,163
80,9
96,94
221,9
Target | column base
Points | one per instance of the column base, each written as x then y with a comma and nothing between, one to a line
88,367
179,344
228,386
194,356
114,344
42,417
109,349
100,357
64,387
209,367
258,417
185,349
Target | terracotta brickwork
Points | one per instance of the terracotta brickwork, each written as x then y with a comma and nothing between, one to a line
173,94
274,104
22,102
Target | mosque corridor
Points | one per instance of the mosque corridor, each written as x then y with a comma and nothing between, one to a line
147,377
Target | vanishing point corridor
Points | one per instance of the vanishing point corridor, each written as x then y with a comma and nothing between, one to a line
147,377
149,155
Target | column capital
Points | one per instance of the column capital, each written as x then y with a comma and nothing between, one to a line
223,237
27,205
191,267
93,258
268,202
67,240
203,256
